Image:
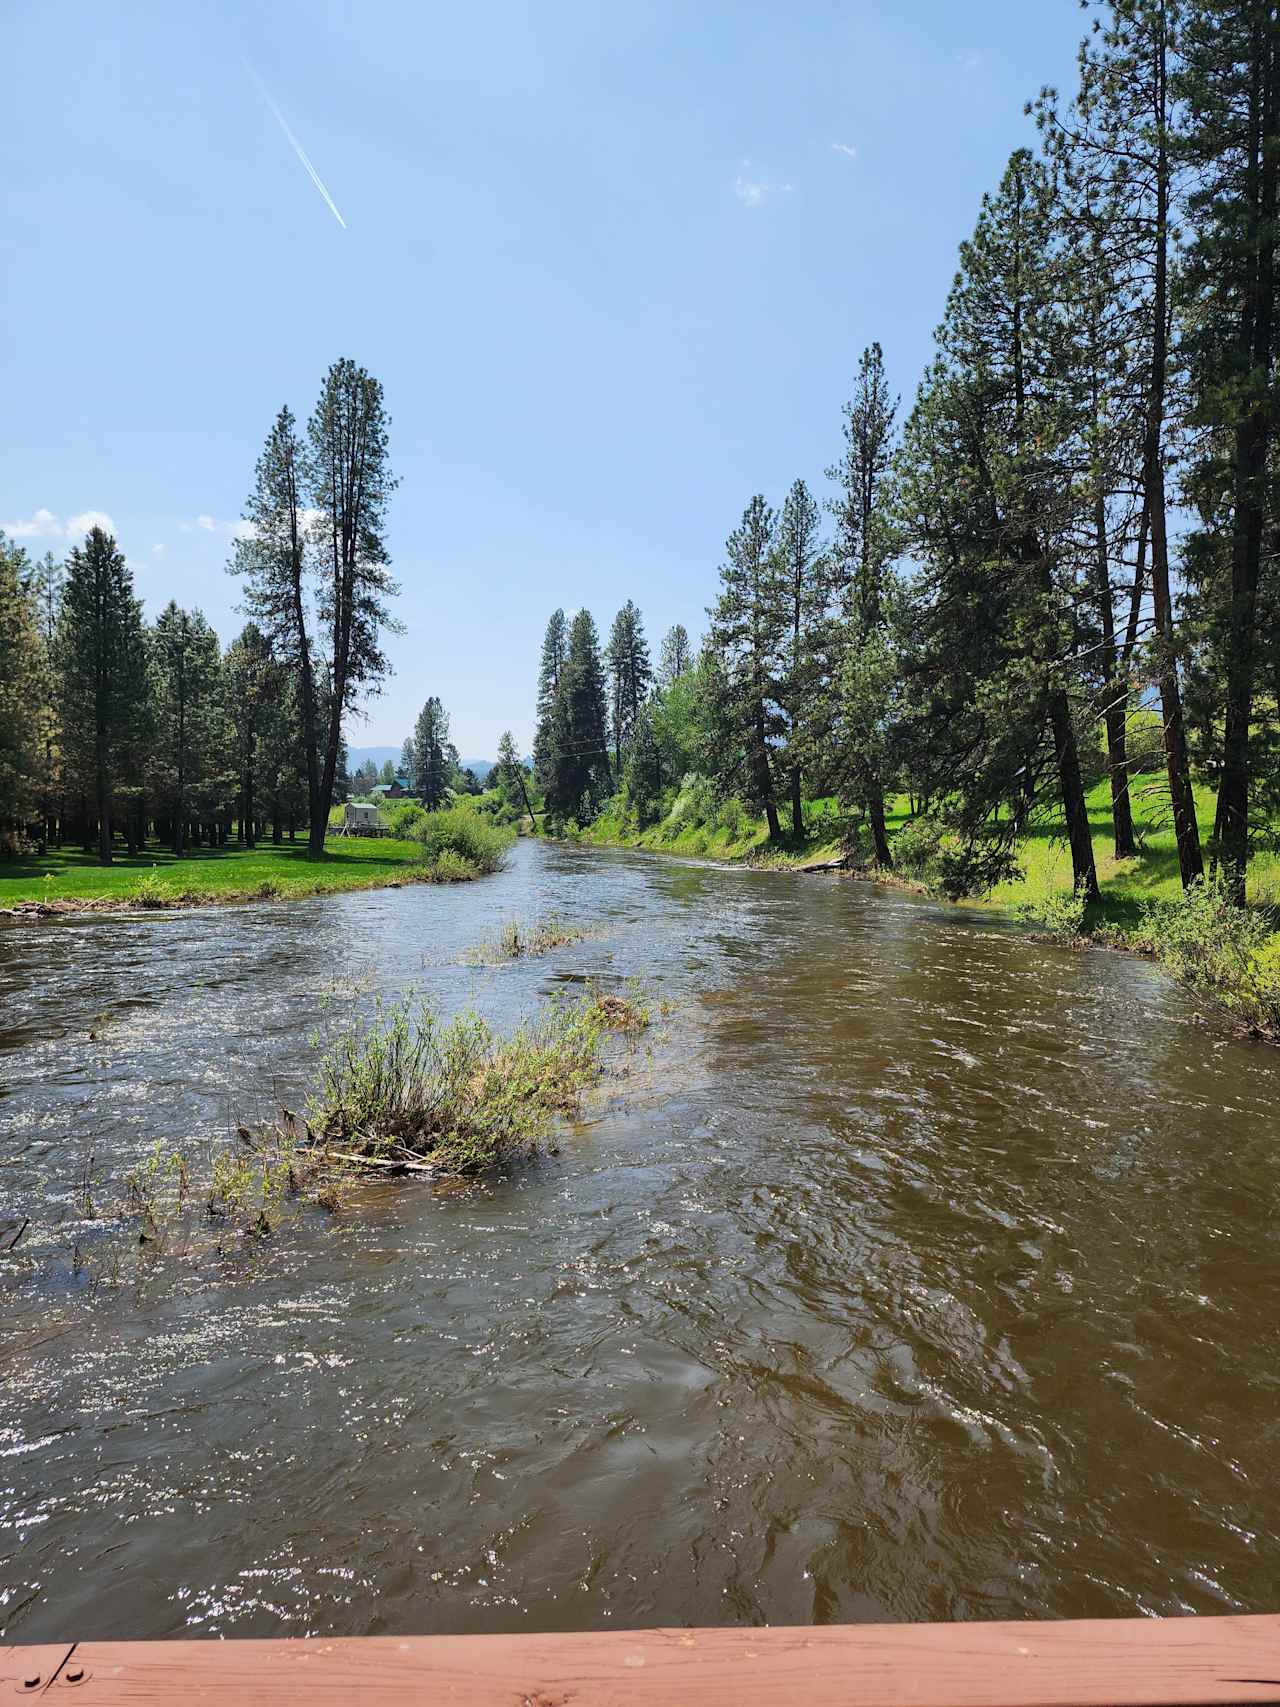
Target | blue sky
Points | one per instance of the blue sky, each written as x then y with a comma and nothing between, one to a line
614,265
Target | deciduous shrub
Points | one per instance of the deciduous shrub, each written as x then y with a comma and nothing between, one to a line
1225,951
917,845
459,836
1059,914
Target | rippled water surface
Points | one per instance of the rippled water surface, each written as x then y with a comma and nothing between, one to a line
918,1270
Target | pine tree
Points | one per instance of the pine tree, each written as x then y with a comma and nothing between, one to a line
1230,76
272,554
676,656
280,768
863,546
101,678
23,694
252,690
630,676
408,766
748,636
988,500
511,776
351,485
802,576
46,596
1117,150
582,692
187,712
555,645
431,753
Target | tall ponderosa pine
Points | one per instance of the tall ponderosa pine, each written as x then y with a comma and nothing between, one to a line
748,635
272,557
863,549
630,676
989,499
802,592
1117,150
1230,78
100,675
431,754
351,485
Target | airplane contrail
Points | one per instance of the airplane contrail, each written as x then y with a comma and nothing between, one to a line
298,149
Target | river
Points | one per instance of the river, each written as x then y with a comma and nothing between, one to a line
918,1270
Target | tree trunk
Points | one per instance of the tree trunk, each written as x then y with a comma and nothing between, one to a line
1253,437
879,836
320,817
249,821
316,819
1083,871
797,805
760,768
1186,829
1115,693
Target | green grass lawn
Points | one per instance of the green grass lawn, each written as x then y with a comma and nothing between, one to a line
209,873
1126,884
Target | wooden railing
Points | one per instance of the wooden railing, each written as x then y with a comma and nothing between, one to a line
1100,1663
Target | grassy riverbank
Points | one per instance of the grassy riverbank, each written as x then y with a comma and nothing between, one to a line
69,879
1127,885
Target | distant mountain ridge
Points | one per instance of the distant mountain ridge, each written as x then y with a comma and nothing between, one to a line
357,756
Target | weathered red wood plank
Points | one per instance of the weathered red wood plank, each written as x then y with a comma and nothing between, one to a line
1178,1662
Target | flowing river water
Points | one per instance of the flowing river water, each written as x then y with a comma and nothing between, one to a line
917,1270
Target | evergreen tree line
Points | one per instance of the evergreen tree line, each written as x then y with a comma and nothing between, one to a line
607,722
1074,531
114,730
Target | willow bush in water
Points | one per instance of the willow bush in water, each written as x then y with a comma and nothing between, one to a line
459,842
452,1093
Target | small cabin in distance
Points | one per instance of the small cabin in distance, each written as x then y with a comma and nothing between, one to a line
399,788
361,820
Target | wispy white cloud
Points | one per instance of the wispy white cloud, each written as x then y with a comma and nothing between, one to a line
231,529
157,550
298,149
205,523
969,61
845,148
45,524
753,190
